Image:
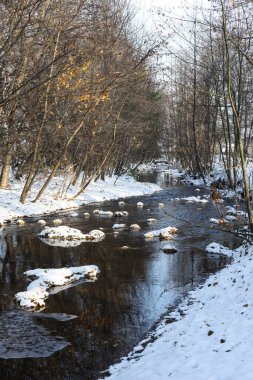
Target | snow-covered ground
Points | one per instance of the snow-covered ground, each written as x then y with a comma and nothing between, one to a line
211,338
125,186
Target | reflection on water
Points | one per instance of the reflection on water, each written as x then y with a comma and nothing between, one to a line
22,338
88,326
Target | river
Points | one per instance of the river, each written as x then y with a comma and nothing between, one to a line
89,325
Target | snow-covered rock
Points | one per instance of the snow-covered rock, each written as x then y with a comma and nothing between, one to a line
103,213
217,221
231,210
160,205
97,234
37,290
57,221
21,222
86,214
193,199
164,233
42,222
121,203
230,218
135,227
151,220
169,249
67,233
74,214
118,226
118,214
140,204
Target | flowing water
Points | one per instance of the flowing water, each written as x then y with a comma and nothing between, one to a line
87,326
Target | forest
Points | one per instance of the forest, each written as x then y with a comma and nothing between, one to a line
126,189
77,94
86,93
209,98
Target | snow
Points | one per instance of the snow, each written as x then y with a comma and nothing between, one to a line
37,290
135,227
140,204
42,222
99,191
195,199
151,220
217,221
164,233
97,234
20,222
219,249
231,217
120,213
57,221
210,337
103,213
121,203
232,211
118,226
68,233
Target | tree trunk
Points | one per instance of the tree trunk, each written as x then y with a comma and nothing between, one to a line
6,167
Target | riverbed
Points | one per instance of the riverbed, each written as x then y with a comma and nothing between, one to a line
89,325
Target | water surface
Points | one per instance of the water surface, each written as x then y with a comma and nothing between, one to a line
89,326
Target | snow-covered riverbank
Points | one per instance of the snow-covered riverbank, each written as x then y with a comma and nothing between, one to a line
212,336
125,186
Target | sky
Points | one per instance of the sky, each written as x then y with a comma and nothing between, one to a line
177,8
146,6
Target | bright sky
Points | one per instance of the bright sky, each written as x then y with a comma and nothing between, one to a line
171,30
176,7
144,11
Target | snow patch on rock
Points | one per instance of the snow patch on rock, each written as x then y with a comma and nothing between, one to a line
219,249
68,233
37,290
135,227
103,213
193,199
118,226
164,233
57,221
